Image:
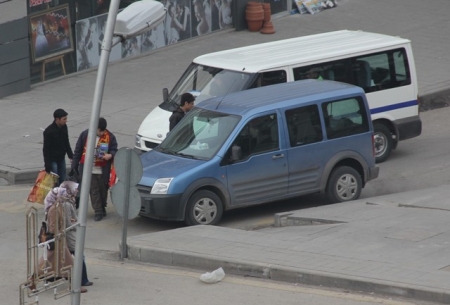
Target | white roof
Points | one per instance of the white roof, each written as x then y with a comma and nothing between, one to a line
298,50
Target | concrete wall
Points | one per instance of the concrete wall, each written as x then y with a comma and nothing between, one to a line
14,48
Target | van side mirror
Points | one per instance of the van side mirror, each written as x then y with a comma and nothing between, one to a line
165,94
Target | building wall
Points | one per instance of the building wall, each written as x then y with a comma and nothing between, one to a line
14,50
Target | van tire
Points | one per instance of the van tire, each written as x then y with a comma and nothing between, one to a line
203,208
383,142
344,184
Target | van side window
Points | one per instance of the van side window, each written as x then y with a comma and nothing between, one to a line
258,136
304,125
374,72
345,117
269,78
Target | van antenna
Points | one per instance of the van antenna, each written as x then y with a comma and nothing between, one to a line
226,93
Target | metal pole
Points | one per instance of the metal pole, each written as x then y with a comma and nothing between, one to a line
89,158
126,205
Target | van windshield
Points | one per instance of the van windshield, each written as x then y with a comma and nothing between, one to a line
205,82
200,134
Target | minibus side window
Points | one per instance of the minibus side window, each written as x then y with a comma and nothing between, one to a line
345,117
273,77
304,125
336,70
374,72
269,78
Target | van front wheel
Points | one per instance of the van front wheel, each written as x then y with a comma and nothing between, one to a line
383,142
203,208
344,184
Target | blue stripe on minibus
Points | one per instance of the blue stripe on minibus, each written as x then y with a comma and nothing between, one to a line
394,107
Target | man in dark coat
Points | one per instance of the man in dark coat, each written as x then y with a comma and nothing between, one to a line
57,145
105,150
186,104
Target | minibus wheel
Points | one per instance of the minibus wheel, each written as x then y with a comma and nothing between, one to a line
383,142
203,208
344,184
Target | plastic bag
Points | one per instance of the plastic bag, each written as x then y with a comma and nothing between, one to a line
213,277
44,184
112,176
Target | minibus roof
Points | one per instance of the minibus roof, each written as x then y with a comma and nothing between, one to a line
294,51
281,95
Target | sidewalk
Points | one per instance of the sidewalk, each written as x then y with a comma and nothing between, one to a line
394,245
134,86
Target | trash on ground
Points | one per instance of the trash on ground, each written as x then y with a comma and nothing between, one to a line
213,277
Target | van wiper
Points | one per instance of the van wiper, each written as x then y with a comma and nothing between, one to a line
166,151
184,155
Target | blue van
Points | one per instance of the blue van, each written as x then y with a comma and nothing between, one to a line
261,145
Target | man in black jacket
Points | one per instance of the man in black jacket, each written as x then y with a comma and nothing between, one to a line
186,104
57,145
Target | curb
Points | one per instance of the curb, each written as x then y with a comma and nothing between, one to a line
284,274
20,176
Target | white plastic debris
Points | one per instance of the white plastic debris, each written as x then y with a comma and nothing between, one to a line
213,277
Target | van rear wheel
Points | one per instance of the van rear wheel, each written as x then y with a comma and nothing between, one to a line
344,184
383,142
203,208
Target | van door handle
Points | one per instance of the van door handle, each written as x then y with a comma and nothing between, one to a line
278,156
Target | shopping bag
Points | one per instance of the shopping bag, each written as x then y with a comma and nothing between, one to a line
45,182
112,176
44,236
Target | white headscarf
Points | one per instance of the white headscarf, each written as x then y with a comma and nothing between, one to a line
66,191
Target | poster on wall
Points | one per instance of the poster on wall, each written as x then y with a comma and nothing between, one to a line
50,33
191,18
89,34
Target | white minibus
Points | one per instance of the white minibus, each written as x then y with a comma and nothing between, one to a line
382,65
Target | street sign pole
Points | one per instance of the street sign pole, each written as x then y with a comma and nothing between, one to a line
124,253
89,157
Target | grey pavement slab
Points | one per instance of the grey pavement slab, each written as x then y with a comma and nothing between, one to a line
378,245
134,86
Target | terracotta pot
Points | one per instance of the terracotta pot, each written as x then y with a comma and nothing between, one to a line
254,25
254,14
267,28
267,12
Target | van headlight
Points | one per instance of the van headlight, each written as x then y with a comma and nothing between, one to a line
137,140
161,186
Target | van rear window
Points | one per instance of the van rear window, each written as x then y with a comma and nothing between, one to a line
345,118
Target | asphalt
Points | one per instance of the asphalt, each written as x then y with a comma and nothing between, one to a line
379,245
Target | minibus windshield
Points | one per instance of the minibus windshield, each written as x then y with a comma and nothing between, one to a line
199,135
205,82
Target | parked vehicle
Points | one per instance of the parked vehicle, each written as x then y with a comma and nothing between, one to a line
382,65
261,145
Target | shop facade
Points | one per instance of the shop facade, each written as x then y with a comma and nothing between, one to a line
49,38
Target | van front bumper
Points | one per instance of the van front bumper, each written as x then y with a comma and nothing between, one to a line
165,207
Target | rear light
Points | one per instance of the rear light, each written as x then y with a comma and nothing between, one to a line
373,145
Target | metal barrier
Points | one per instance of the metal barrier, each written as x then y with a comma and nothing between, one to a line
51,275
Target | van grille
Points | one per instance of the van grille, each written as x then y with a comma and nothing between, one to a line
144,190
150,145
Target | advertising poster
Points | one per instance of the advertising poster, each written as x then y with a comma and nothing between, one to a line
50,33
